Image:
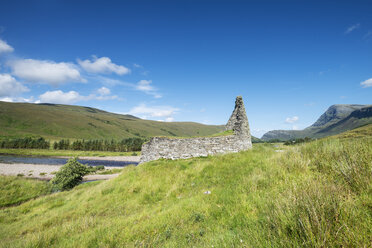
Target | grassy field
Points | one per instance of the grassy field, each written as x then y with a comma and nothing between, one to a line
15,190
312,195
66,153
55,121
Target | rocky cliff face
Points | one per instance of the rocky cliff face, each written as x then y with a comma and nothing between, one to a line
338,118
335,113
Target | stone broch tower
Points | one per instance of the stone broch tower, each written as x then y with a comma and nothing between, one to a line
177,148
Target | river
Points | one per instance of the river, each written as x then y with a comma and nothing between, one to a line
9,159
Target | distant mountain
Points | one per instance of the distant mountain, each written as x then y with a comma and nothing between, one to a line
55,121
337,119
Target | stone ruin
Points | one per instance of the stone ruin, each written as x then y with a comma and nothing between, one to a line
179,148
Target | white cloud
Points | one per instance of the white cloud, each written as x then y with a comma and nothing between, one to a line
71,97
145,112
367,83
352,28
45,71
102,65
145,86
102,98
19,99
5,48
104,91
169,119
294,127
292,119
10,87
6,99
59,96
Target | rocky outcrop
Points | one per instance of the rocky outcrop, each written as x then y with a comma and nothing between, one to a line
174,148
336,113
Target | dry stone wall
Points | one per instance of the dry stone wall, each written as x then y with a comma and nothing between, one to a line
173,148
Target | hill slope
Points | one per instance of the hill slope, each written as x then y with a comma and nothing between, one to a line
360,132
337,119
258,198
55,121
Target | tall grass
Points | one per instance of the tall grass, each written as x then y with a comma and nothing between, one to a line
331,206
16,190
313,195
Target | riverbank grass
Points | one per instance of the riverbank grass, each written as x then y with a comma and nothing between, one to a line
311,195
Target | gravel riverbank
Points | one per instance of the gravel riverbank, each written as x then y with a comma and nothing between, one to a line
110,158
43,172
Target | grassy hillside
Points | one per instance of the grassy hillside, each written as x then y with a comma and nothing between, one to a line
364,131
54,121
312,195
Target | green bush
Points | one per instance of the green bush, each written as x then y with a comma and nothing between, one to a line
70,175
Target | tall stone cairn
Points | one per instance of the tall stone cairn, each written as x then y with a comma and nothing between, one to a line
238,121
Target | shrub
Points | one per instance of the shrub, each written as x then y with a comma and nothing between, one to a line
70,175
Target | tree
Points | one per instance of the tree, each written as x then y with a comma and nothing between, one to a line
70,175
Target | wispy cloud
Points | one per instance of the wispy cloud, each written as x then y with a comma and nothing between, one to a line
292,119
144,86
309,104
352,28
367,83
321,73
368,35
147,87
145,112
104,91
102,65
5,47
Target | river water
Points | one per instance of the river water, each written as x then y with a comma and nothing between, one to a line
60,161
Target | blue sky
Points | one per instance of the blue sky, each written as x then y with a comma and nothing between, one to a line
188,60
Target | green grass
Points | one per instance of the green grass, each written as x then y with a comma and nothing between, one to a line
312,195
364,131
16,190
67,153
109,171
55,121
